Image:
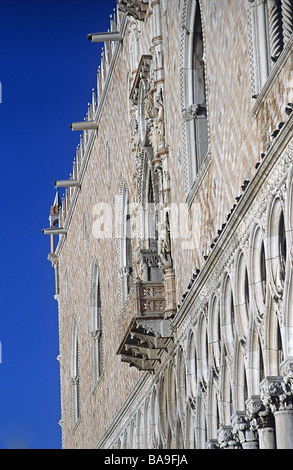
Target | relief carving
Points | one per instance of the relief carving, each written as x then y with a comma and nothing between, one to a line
158,124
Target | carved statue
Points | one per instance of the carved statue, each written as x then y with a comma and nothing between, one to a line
158,132
164,246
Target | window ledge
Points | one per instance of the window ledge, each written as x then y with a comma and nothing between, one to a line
98,383
199,179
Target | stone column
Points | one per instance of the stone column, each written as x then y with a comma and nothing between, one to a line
277,394
284,429
170,292
284,415
262,420
267,438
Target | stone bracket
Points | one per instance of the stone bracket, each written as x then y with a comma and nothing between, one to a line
139,363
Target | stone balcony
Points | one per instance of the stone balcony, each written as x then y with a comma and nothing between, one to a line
145,328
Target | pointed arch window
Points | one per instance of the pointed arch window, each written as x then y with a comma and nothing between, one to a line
152,229
96,327
149,227
126,270
75,383
194,111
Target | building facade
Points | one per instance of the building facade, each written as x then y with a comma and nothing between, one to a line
172,244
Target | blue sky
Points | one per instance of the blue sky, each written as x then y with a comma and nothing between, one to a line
47,72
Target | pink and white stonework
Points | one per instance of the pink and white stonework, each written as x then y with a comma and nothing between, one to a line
172,246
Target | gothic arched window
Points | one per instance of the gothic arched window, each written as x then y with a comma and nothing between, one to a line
75,386
194,111
126,275
96,326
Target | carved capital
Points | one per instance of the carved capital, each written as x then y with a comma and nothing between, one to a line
124,271
259,414
192,111
75,380
273,393
95,335
226,438
244,429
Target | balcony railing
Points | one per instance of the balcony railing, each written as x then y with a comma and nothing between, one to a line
144,329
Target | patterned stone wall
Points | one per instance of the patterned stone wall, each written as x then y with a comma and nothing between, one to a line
240,130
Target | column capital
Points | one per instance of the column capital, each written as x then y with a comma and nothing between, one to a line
276,392
259,414
227,439
244,429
